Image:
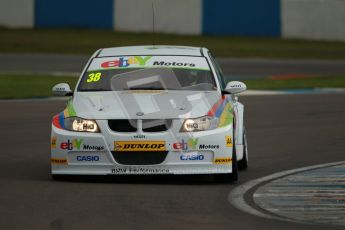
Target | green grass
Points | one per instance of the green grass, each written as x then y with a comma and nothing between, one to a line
36,86
30,86
301,83
79,41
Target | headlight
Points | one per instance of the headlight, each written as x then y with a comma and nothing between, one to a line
199,124
80,125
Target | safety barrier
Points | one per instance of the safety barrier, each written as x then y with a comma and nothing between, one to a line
307,19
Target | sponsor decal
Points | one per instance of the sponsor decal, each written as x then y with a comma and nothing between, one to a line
93,147
228,141
58,161
222,160
87,158
128,170
125,62
180,145
93,77
236,86
162,63
192,143
70,145
53,143
208,146
77,144
139,136
139,145
192,157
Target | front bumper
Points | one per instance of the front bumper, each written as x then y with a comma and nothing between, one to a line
76,153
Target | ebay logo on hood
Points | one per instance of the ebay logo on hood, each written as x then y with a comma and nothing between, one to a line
125,62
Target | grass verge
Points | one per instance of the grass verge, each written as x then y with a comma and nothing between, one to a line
298,83
79,41
30,86
37,86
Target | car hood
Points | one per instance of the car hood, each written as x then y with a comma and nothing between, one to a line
144,105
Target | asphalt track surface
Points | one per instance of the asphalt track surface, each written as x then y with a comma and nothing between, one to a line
284,132
250,68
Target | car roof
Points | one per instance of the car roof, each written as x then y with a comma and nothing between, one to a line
151,50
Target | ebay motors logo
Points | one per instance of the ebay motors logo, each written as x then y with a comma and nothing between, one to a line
193,143
125,62
180,145
70,145
185,145
78,143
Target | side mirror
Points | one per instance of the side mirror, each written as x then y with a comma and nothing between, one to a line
234,87
62,89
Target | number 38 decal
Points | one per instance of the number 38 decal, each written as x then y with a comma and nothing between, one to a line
93,77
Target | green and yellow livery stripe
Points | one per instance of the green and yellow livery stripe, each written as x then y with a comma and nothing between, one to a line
223,110
69,111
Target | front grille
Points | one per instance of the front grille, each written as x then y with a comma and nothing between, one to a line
139,158
149,125
123,125
156,125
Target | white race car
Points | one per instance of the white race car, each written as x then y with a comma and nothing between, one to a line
150,110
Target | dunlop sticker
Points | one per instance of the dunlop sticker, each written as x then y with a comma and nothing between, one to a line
59,161
139,145
222,160
228,141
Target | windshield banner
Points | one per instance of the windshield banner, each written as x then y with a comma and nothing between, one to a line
125,62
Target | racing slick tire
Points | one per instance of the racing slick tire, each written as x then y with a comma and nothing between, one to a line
243,164
229,177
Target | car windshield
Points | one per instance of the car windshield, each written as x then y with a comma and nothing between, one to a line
148,73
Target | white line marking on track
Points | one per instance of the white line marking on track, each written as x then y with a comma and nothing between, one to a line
236,196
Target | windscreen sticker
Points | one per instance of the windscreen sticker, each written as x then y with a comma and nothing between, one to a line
93,77
183,62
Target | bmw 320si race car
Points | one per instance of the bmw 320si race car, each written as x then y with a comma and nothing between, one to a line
150,110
